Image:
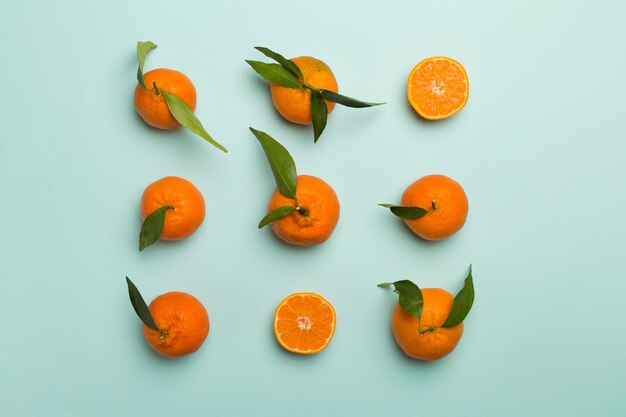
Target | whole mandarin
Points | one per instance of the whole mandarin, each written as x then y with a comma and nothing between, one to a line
182,321
151,105
318,215
294,104
424,339
445,201
187,206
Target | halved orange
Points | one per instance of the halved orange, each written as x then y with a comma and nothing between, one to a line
304,323
438,87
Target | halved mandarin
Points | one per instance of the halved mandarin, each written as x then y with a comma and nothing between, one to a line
438,87
304,323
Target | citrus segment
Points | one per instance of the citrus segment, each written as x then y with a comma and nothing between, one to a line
438,87
304,323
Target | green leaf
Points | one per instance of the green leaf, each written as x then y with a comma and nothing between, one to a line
346,101
140,306
462,303
276,214
142,50
406,212
283,167
152,227
410,299
275,74
286,63
319,114
183,115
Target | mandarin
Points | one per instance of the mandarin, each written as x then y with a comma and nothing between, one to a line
424,338
438,87
304,323
182,321
185,204
150,103
294,104
445,201
316,216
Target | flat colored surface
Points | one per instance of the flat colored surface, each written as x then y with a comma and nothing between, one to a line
539,149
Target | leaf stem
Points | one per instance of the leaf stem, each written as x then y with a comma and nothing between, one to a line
309,86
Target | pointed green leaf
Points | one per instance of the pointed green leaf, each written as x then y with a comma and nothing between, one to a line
281,163
462,303
411,299
286,63
183,115
319,114
152,227
142,50
140,306
345,100
276,214
406,212
275,74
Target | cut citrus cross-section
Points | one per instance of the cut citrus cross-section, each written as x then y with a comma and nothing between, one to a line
438,87
304,323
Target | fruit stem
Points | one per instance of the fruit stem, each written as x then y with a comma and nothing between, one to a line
304,212
430,329
419,325
434,206
156,89
163,334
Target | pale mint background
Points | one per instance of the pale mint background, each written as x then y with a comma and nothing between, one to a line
539,149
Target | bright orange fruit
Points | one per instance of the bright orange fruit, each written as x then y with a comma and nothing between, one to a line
304,323
438,87
151,105
318,215
425,338
182,321
187,202
294,104
445,201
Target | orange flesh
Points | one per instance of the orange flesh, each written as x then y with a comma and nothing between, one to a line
304,323
438,88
